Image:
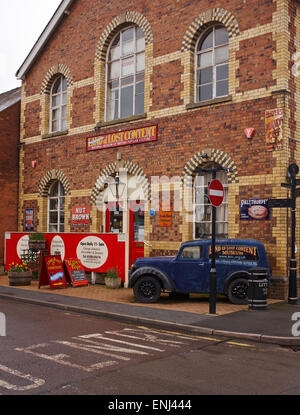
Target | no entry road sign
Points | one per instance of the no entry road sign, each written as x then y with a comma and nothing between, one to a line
216,193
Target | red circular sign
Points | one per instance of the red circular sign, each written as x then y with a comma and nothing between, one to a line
216,193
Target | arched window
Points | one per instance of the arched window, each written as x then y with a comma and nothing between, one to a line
212,64
58,105
125,74
202,206
56,207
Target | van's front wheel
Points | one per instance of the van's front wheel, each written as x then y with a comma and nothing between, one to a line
147,289
238,291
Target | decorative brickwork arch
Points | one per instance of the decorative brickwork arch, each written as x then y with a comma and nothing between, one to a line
208,17
219,157
52,73
113,27
49,178
105,177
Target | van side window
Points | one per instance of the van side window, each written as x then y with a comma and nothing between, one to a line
236,252
191,252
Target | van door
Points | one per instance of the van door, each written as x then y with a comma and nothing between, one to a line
191,270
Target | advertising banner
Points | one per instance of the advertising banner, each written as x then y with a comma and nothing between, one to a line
254,209
80,216
52,272
96,252
29,217
122,138
274,131
75,272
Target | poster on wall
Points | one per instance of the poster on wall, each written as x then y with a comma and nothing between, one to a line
274,130
29,220
80,216
254,209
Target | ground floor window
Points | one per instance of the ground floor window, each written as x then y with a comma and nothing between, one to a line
56,208
202,207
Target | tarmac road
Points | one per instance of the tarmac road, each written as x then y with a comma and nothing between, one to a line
52,352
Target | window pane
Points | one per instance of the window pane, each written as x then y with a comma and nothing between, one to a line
54,126
114,53
222,54
116,41
56,101
140,62
222,88
53,205
139,33
57,86
140,87
205,76
207,41
128,66
64,84
53,228
114,70
127,35
54,189
63,112
53,217
55,115
62,203
127,48
222,72
64,99
221,36
61,228
205,59
139,104
63,125
140,45
126,102
205,92
127,81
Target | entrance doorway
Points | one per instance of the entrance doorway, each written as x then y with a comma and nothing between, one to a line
115,218
136,231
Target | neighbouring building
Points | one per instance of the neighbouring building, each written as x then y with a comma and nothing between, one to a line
9,162
160,95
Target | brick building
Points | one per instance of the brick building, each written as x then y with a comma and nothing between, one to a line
9,162
142,91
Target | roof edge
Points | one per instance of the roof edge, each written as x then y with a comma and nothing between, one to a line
42,40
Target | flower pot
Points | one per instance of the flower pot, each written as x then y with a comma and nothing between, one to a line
113,282
18,279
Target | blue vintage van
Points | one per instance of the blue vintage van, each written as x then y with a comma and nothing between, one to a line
189,271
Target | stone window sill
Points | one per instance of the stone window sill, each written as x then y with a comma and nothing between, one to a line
56,134
209,102
120,121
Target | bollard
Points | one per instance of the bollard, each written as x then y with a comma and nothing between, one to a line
257,289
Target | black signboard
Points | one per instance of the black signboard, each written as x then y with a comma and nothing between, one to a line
280,203
75,272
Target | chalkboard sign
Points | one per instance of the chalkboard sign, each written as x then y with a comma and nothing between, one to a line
75,272
52,272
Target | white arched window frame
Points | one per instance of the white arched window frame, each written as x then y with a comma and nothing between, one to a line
211,64
125,74
56,208
202,207
58,105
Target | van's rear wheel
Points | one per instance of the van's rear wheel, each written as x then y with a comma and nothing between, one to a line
147,289
238,291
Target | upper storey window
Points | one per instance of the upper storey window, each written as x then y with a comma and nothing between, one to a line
212,64
58,105
125,74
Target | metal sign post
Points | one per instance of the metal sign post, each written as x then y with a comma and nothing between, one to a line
216,196
293,170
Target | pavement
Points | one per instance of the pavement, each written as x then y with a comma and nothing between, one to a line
272,325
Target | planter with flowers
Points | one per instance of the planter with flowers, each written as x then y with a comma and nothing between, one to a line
19,275
112,280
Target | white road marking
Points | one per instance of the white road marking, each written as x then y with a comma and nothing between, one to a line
35,382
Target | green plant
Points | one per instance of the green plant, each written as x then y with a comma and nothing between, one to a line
112,273
36,236
19,267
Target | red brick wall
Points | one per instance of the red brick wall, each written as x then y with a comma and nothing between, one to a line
9,138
